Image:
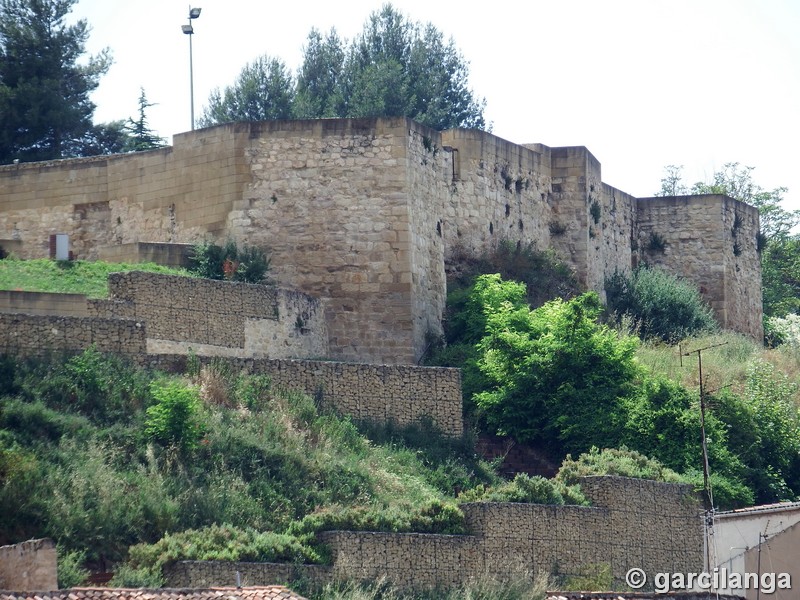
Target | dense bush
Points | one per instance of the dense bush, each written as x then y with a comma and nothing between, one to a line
101,387
221,542
620,462
554,373
70,570
659,304
249,264
175,417
782,330
433,517
556,377
546,277
524,488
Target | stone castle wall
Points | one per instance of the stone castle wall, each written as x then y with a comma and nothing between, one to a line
178,193
633,523
29,566
680,233
328,197
366,213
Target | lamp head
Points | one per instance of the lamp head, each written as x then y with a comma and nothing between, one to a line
194,12
187,29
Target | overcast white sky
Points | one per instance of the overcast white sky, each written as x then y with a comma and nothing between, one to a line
641,83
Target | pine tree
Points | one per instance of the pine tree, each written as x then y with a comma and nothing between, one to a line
45,108
140,136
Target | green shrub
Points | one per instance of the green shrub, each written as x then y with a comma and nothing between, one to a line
221,542
249,264
728,493
533,490
595,576
94,504
175,417
783,330
659,304
545,276
620,462
763,430
126,576
21,497
71,570
103,387
434,517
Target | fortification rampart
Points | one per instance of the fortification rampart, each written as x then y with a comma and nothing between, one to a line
681,233
634,523
366,213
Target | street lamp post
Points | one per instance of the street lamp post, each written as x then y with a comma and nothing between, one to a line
189,30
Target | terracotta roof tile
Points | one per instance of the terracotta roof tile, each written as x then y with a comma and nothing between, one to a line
272,592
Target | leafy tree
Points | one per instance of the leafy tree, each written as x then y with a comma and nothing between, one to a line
780,273
141,137
320,76
399,68
394,67
263,90
105,138
554,374
45,108
672,182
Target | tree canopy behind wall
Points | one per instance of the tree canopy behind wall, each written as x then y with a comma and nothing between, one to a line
45,111
394,67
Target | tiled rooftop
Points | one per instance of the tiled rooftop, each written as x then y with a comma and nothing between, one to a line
762,508
272,592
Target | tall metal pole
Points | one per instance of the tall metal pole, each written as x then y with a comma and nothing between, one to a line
191,75
189,30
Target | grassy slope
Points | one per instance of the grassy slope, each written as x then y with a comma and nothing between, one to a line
79,464
725,364
78,277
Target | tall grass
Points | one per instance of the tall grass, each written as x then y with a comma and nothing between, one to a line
726,360
481,587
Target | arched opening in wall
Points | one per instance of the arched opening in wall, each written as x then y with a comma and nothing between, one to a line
508,210
491,228
521,225
439,228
